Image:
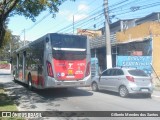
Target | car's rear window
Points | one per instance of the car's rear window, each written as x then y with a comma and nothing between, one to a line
137,72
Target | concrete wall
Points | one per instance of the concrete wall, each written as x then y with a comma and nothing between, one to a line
5,68
156,54
139,33
136,33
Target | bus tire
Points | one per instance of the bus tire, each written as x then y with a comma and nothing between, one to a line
30,87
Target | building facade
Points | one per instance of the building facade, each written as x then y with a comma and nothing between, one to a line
136,41
143,46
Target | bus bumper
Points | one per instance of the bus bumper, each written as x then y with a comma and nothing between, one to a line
53,83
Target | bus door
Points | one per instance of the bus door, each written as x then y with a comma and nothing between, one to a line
20,67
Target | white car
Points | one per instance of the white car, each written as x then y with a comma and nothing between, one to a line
123,80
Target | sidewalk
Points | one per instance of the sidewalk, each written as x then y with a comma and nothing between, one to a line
156,83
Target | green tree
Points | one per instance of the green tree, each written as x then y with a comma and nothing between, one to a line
10,44
15,42
4,50
28,8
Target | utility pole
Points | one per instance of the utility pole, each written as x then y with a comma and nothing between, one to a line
107,36
24,42
73,24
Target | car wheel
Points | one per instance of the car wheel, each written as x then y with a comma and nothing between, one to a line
123,92
94,86
30,87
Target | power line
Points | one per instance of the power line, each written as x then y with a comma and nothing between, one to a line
90,18
67,27
140,8
36,23
81,11
70,25
119,8
79,22
90,23
44,17
118,3
84,24
122,5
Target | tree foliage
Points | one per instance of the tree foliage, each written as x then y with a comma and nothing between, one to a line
4,50
7,37
10,44
28,8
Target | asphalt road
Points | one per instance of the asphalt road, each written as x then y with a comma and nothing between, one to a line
77,99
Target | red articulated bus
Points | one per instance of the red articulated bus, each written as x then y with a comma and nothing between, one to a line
54,61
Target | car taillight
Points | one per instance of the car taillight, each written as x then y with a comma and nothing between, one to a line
49,69
130,78
88,69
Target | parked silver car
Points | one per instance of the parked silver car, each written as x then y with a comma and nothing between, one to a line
123,80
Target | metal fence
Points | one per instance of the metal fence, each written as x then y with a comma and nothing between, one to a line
101,42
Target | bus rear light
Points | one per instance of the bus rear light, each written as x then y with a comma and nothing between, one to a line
49,69
88,69
130,78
